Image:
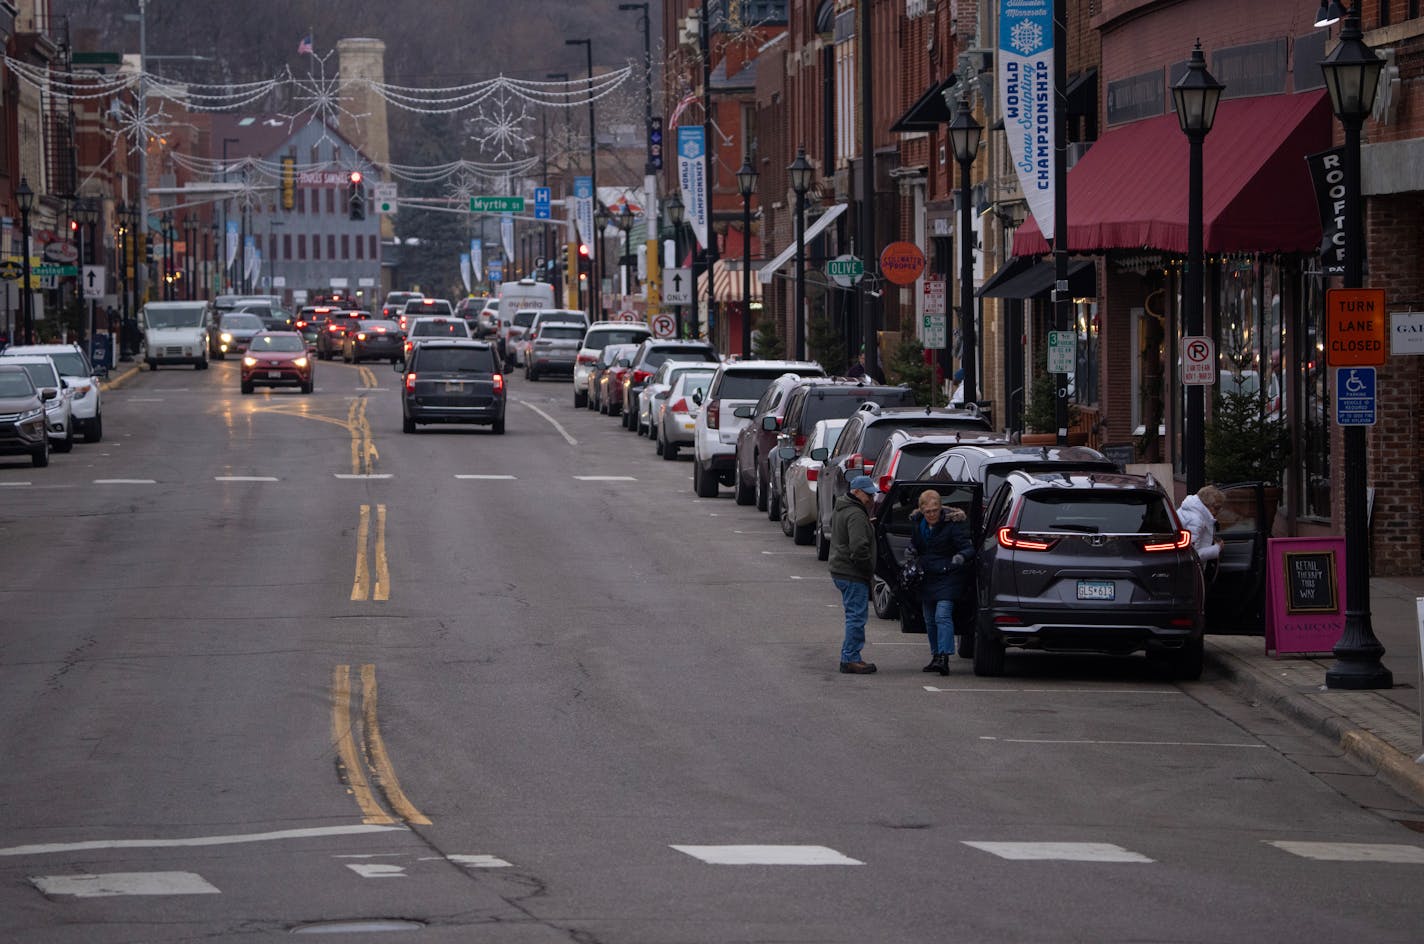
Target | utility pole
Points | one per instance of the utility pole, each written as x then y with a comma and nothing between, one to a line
709,151
141,271
869,339
1062,300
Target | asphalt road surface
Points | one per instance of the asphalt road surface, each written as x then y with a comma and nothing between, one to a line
268,664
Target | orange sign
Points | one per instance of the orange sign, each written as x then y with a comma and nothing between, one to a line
902,263
1356,327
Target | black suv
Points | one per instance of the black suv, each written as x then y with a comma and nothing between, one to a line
865,433
648,358
455,380
332,336
816,400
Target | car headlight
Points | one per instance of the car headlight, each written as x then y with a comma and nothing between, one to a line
81,391
249,362
299,362
226,338
34,414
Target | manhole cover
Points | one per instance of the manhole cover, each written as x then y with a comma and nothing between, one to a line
357,926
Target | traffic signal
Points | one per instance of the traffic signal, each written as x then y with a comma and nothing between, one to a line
289,182
151,249
355,197
585,261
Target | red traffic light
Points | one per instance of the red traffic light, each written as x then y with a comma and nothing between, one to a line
583,249
355,176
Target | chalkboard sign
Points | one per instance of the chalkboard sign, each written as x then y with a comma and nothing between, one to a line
1122,455
1310,582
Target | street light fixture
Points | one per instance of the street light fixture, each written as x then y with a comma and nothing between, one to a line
964,135
1196,96
624,221
676,212
800,173
25,197
601,216
1329,13
746,185
1352,72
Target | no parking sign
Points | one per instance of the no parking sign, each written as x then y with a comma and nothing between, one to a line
664,326
1198,361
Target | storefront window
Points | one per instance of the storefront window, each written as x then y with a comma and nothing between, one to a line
1313,456
1085,378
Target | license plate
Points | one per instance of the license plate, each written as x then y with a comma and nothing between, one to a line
1097,590
274,375
454,386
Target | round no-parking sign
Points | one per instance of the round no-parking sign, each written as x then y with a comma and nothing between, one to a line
1198,361
664,326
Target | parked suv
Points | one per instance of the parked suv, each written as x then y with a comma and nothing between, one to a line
85,404
990,463
817,400
600,335
454,380
552,348
757,439
860,442
22,416
649,358
736,387
59,414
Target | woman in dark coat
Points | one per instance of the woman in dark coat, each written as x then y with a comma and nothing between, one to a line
941,539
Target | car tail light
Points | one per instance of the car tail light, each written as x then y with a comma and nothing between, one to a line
334,328
641,375
1009,538
410,382
854,463
1184,541
1008,621
799,441
499,383
885,481
714,415
587,358
301,324
812,473
361,336
380,331
680,406
1183,621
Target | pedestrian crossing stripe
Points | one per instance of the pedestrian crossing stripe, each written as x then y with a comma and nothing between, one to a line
1059,851
1353,851
110,884
767,855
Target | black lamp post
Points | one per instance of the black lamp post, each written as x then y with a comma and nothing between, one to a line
601,216
25,197
166,222
596,304
190,269
800,173
964,135
747,184
675,214
624,220
215,248
1352,73
86,212
1196,96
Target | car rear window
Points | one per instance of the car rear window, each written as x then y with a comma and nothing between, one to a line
915,458
1108,512
562,334
439,329
523,319
656,356
428,306
998,472
840,406
454,359
598,340
746,384
237,322
42,375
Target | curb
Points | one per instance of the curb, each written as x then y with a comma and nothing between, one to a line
1394,767
124,377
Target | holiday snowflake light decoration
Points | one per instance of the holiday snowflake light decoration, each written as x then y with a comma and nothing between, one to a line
140,124
501,129
463,190
320,98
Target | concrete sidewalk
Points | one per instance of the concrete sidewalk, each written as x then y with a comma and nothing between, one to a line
121,375
1380,729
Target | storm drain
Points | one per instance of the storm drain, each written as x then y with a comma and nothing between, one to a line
358,926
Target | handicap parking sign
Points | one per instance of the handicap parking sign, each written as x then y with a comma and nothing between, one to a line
1355,396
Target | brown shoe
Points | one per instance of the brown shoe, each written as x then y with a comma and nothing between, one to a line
857,668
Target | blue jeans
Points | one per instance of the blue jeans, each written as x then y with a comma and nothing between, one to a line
855,596
939,625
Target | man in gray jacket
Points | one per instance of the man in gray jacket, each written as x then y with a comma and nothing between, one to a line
853,567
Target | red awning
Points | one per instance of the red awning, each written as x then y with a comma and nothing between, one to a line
1130,190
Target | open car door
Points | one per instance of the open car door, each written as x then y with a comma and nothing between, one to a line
893,526
1236,583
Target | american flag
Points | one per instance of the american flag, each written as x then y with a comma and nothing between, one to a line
305,46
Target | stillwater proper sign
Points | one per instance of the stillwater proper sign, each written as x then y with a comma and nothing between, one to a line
1356,327
902,263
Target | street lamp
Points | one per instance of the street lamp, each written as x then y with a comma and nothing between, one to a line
676,212
86,212
1352,73
1329,14
601,216
1196,96
964,134
223,250
624,221
25,197
800,173
165,220
746,185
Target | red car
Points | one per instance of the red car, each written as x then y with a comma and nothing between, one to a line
277,359
610,386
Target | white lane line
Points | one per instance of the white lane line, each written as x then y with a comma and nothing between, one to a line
245,478
768,855
376,870
315,832
369,475
488,478
605,478
479,861
557,425
773,553
125,481
1060,851
1061,691
984,737
1353,851
14,484
108,884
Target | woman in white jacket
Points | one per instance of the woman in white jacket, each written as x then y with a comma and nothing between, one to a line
1198,514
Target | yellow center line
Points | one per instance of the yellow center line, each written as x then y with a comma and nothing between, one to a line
361,588
382,589
368,450
381,767
355,437
350,769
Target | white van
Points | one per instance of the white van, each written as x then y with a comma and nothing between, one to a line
176,333
526,293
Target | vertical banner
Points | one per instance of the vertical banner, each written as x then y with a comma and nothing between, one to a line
583,210
477,260
231,243
1327,172
465,269
1026,97
249,254
692,178
506,234
256,265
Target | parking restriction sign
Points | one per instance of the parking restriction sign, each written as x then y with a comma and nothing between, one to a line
1198,361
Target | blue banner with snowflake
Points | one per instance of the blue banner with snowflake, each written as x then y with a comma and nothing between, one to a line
1026,96
692,177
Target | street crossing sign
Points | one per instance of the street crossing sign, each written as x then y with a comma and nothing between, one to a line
677,286
1355,396
496,204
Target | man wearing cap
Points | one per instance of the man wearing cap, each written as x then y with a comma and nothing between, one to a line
853,567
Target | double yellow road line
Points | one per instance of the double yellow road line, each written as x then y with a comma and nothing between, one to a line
368,376
362,762
363,444
373,571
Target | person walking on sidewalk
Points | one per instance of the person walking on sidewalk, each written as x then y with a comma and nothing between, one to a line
852,561
941,539
1198,515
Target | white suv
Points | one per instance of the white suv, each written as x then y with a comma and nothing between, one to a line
78,373
600,335
59,415
731,397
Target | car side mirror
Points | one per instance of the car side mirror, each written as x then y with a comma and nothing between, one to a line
770,423
787,453
820,454
48,393
697,397
744,412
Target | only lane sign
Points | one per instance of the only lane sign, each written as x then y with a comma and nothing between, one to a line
677,286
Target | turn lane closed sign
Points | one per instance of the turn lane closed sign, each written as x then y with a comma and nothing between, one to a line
1356,328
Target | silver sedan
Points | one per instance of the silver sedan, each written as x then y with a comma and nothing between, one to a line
678,411
650,405
798,509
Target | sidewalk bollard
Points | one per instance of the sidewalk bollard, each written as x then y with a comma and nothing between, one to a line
1419,613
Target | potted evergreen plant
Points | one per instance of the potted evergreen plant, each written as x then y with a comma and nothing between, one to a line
1244,443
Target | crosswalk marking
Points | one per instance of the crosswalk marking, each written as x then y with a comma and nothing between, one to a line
377,870
109,884
605,478
13,484
368,475
487,478
125,481
479,861
767,855
245,478
1353,851
1059,851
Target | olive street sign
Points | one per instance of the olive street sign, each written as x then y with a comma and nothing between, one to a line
846,270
